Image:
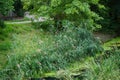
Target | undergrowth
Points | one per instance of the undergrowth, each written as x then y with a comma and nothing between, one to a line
6,39
34,52
107,69
66,47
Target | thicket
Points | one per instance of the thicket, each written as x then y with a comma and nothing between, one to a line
76,11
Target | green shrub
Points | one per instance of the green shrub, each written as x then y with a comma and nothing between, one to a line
45,25
77,41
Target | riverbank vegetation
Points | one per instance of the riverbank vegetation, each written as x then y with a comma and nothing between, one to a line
63,47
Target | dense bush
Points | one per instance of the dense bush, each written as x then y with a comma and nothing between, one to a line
45,25
70,45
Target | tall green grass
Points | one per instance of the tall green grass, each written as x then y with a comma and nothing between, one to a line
113,42
32,56
33,52
107,69
6,39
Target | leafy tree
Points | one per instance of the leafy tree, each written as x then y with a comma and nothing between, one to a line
5,5
76,11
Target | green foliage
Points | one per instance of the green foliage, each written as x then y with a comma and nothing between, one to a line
111,15
2,25
6,39
66,47
107,69
18,6
5,45
76,11
45,25
113,42
35,53
77,41
5,5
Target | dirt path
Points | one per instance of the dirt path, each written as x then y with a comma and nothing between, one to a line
103,37
24,22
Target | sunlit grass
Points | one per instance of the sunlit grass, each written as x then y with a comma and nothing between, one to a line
18,20
115,41
28,43
21,39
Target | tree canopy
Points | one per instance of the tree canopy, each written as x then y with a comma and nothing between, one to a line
77,11
5,5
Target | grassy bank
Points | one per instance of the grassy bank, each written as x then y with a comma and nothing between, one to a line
21,39
26,51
